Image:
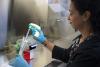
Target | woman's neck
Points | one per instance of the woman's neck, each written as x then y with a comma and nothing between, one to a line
87,31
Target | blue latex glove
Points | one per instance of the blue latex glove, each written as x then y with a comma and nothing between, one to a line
37,32
18,61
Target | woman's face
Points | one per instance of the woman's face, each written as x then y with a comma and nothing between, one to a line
76,20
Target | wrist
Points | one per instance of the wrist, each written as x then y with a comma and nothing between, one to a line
45,42
48,44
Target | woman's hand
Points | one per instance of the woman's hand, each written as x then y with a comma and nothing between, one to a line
37,32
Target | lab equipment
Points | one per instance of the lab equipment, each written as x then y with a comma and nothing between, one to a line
35,26
28,45
37,32
24,43
30,52
27,49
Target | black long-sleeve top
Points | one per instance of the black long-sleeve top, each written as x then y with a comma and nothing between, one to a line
85,54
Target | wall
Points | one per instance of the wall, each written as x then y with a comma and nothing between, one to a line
26,11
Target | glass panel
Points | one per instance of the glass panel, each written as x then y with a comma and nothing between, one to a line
4,9
58,12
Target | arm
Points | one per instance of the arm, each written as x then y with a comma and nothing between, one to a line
39,36
57,52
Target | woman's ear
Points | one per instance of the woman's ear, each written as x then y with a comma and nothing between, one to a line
86,16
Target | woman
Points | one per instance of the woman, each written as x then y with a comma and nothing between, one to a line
8,57
85,50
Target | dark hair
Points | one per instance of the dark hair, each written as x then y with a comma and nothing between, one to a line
93,6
